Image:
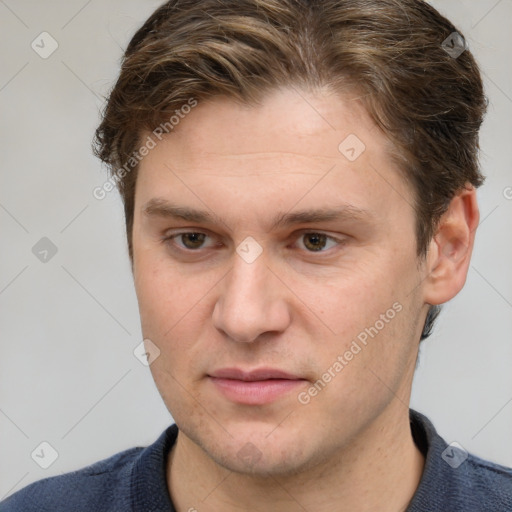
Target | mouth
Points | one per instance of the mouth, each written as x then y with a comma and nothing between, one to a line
254,387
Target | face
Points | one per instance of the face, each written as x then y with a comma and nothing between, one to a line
276,271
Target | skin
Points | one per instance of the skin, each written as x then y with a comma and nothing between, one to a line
350,447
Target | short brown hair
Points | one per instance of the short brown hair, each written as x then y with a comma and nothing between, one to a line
429,102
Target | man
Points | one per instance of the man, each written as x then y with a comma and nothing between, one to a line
299,187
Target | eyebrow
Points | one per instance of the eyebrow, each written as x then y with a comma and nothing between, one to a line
158,207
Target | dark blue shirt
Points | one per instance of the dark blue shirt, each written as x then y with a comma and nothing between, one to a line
135,481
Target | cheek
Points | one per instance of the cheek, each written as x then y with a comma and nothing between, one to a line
371,315
365,368
175,310
164,296
355,301
172,316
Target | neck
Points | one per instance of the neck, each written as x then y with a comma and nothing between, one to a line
379,470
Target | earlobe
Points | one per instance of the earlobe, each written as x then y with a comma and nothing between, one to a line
451,247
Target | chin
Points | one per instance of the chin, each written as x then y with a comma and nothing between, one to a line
251,460
257,451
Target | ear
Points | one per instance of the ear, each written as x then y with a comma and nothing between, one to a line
450,249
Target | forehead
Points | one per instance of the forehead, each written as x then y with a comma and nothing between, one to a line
285,120
295,146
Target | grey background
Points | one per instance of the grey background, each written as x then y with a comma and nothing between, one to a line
69,326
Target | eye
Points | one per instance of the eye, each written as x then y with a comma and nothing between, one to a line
317,242
189,241
193,241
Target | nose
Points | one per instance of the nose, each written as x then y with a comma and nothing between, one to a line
252,301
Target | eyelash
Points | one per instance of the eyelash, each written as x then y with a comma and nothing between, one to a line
169,241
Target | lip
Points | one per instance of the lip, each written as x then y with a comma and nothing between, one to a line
253,375
254,387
